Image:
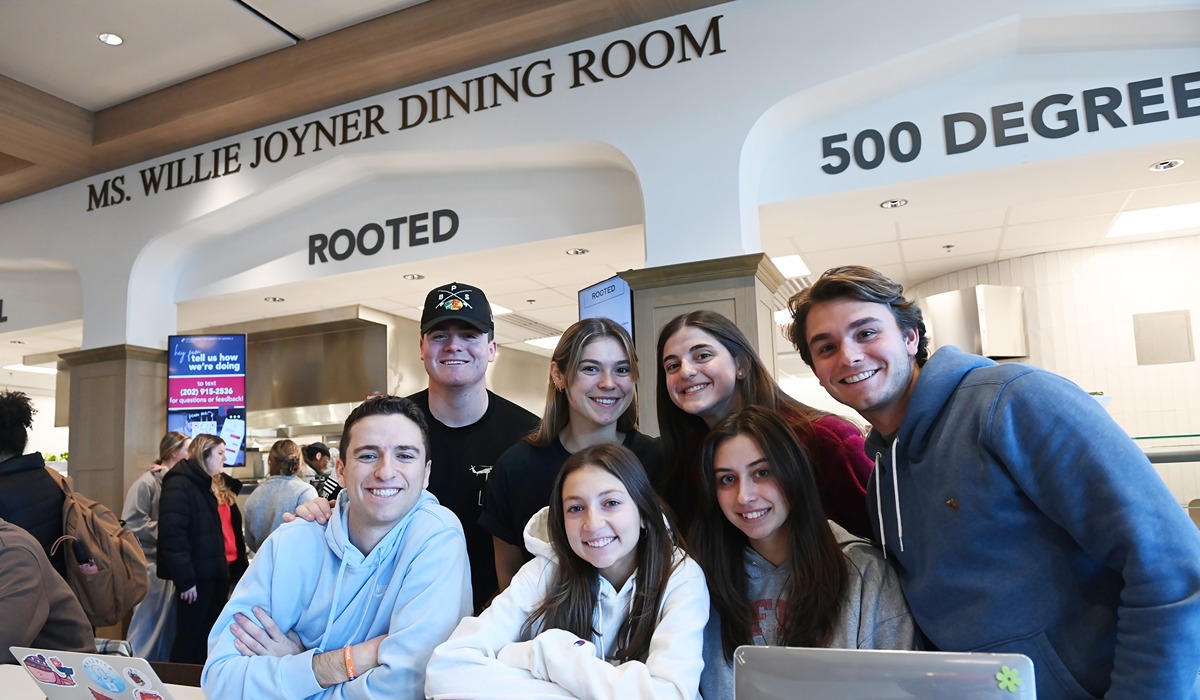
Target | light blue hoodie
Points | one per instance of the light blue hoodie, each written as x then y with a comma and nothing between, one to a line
415,585
1021,518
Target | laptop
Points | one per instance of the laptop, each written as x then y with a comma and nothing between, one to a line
70,675
766,673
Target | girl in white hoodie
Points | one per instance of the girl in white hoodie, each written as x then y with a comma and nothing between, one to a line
608,608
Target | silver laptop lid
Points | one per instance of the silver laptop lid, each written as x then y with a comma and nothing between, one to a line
71,675
767,673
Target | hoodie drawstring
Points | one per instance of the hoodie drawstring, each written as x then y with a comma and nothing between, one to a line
896,496
337,592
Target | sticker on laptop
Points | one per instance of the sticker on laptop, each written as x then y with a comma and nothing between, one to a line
49,671
97,695
135,677
103,674
140,694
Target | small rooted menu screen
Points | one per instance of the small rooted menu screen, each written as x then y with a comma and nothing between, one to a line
206,389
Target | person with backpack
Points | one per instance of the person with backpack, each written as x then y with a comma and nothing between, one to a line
29,497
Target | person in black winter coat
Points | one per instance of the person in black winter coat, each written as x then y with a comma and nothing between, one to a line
191,545
29,496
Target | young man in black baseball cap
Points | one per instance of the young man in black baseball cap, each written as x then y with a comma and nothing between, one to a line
469,426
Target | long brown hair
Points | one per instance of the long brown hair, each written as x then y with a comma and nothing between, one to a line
817,569
566,357
574,591
201,449
682,433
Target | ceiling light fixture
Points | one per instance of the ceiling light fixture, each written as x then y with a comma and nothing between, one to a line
110,39
578,251
498,310
412,276
548,343
1140,222
1166,165
893,203
791,266
30,369
274,300
17,342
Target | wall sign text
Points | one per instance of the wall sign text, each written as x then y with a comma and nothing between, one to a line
1051,117
656,49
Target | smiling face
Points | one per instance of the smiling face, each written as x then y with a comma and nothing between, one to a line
215,459
456,355
863,358
383,468
602,522
701,374
750,496
601,388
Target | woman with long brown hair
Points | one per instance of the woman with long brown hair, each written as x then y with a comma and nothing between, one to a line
609,608
707,369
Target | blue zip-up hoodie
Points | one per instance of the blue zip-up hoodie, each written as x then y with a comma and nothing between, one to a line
415,585
1021,518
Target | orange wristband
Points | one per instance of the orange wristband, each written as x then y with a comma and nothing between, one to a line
349,664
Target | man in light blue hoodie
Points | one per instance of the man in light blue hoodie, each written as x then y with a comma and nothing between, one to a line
1019,516
352,609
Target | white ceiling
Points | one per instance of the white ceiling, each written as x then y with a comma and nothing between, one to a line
985,216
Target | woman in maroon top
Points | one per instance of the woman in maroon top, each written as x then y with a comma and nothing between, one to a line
708,370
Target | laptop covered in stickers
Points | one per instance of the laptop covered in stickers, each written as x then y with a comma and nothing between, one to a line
71,675
762,673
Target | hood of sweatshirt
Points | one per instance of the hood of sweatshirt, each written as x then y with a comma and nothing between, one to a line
935,384
613,604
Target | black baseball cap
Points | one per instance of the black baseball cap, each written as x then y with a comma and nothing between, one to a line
457,302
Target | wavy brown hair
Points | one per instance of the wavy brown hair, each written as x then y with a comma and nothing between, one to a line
574,591
817,569
682,433
567,355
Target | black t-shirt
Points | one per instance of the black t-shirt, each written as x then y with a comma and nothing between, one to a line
462,460
524,476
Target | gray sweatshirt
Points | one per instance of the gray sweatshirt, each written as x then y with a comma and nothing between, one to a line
875,615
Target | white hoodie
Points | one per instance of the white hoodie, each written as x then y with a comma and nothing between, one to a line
487,657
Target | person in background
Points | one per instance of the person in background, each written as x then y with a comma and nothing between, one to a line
591,399
281,493
29,496
708,370
192,550
609,608
317,457
778,572
1019,516
354,609
152,627
37,608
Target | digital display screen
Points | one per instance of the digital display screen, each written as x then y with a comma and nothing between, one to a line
206,389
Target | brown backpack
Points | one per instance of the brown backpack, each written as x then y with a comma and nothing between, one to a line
113,575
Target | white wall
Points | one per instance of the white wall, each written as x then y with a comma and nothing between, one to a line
44,437
1079,307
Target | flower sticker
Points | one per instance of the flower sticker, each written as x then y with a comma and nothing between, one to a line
1008,679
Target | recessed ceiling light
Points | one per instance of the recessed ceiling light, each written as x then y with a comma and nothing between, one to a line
110,39
274,300
548,343
893,203
1157,220
1166,165
412,276
578,251
32,370
791,266
17,342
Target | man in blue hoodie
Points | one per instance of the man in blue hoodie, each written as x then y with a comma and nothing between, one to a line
355,608
1019,516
